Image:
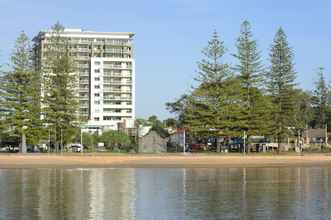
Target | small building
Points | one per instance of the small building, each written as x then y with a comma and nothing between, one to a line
150,141
176,140
129,127
316,136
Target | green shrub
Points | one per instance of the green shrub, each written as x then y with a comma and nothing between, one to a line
116,139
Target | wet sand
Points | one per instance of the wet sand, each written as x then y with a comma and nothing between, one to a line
159,161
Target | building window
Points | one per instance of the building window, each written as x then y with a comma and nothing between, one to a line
107,118
96,118
97,102
97,63
97,86
110,118
97,70
97,78
97,94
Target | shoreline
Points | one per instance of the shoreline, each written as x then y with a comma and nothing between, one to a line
30,161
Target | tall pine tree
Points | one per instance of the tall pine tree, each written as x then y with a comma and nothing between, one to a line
320,100
210,68
21,96
281,85
214,108
250,71
60,82
201,104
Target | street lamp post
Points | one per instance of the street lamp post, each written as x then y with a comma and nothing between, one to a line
245,142
81,136
184,141
61,141
23,140
49,140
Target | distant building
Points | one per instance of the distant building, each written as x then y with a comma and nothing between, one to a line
150,141
106,71
176,139
129,127
316,135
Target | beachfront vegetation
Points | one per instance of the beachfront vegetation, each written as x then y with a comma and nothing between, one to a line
248,96
280,83
115,140
20,99
60,102
226,99
33,112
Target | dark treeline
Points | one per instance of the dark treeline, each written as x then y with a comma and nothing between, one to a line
248,96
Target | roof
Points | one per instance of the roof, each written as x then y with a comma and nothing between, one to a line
76,32
145,130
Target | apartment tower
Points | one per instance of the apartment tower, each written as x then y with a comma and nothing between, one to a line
106,71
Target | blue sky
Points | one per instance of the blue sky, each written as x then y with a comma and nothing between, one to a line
171,33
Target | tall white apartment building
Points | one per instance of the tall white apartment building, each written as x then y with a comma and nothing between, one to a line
106,71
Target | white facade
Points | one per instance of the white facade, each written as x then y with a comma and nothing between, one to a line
112,91
106,71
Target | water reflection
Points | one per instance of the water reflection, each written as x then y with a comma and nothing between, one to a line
229,193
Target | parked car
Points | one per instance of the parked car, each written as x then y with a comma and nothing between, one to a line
4,149
33,149
195,148
13,149
236,145
76,148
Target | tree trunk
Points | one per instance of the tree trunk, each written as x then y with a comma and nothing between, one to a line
23,143
218,147
278,144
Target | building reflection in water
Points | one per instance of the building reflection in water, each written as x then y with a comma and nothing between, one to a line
70,194
228,193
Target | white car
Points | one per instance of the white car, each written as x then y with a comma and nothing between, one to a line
4,149
76,147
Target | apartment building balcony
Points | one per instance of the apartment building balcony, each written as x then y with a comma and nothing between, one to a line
117,91
84,50
83,65
110,82
126,91
112,90
120,114
80,41
118,83
108,66
117,98
98,42
83,110
83,97
83,89
83,58
84,74
84,115
121,106
83,105
83,81
113,50
115,75
127,83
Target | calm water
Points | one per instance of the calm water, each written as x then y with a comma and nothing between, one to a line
228,193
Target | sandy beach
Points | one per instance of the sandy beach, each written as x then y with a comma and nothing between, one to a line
160,161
